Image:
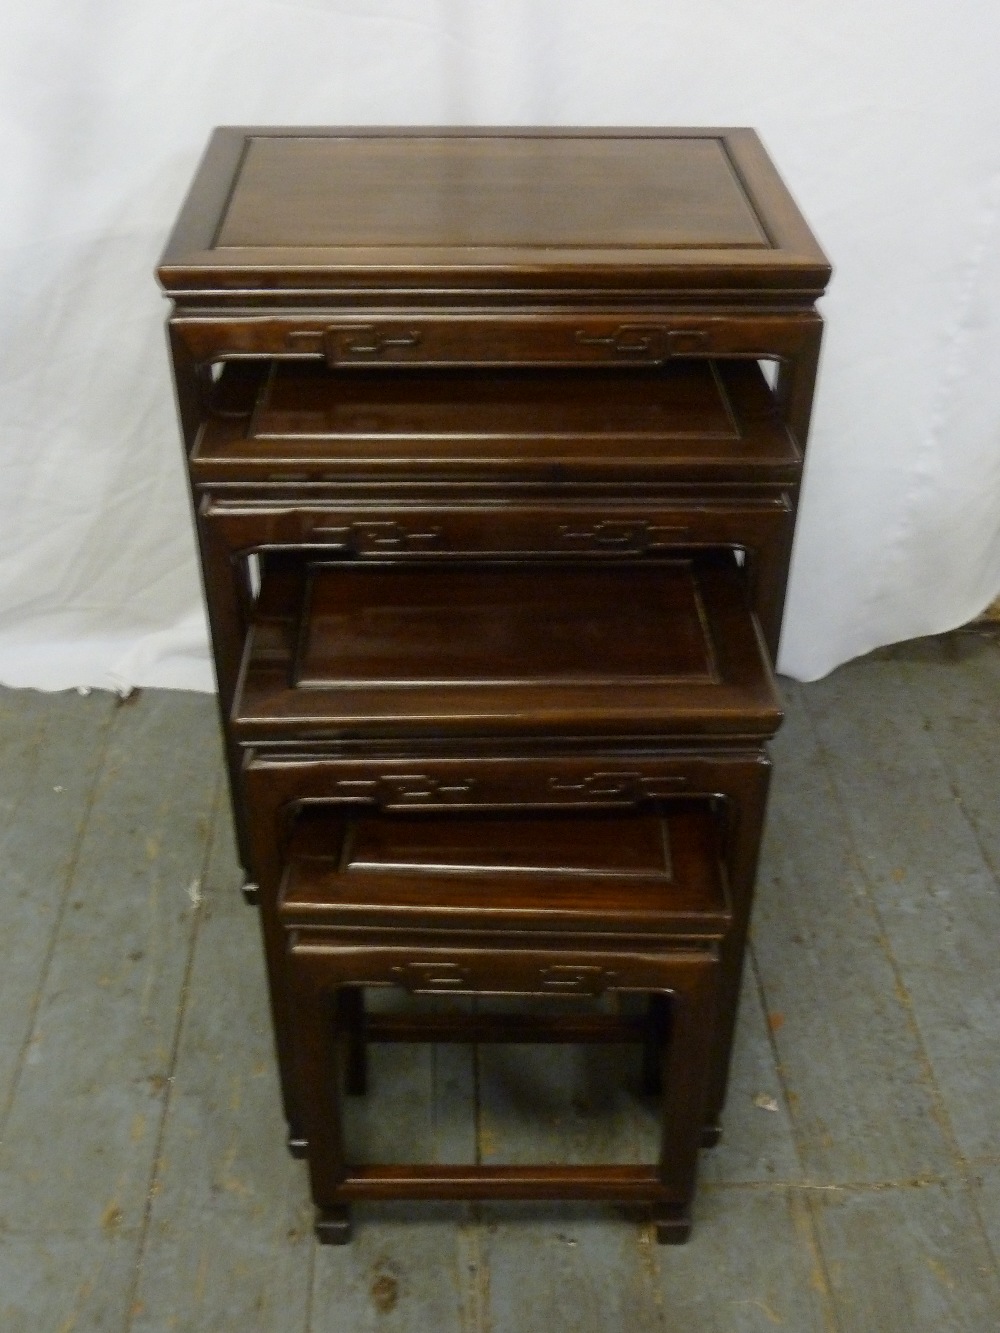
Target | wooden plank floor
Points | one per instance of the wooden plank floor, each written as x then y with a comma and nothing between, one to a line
144,1184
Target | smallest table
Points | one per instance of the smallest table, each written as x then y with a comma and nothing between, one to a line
534,905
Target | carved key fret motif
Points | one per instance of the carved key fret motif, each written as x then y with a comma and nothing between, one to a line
389,790
378,536
627,535
429,976
420,977
576,979
618,786
368,340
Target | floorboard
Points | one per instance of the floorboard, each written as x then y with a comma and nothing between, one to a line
228,1242
935,895
77,1152
406,1271
758,1142
986,1192
560,1267
752,1265
51,752
907,1259
862,1102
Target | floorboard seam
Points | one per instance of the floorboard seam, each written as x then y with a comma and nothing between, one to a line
474,1274
39,738
651,1272
820,1268
773,1047
940,1110
830,1187
882,938
70,876
965,1164
197,914
810,1231
311,1284
904,670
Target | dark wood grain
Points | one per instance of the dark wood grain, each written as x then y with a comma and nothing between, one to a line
351,920
497,193
476,625
278,781
666,648
495,507
686,421
331,208
646,872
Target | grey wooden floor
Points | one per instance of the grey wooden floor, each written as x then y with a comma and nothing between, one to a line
143,1180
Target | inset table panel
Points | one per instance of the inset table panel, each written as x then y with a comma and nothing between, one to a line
656,871
355,648
686,420
493,192
274,209
502,626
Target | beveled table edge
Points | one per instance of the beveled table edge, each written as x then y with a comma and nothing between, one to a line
191,266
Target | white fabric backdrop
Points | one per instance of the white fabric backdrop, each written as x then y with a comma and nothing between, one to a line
883,119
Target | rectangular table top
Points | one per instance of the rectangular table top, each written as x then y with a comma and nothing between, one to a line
662,648
689,420
655,871
275,209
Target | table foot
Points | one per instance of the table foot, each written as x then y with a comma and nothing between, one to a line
333,1225
673,1225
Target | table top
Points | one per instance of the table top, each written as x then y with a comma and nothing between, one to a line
637,871
370,650
275,209
686,421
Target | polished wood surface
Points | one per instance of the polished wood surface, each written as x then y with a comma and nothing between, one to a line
406,903
238,526
490,192
483,626
685,399
294,208
689,420
655,871
352,650
495,504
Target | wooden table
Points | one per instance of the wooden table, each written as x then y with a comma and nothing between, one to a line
494,440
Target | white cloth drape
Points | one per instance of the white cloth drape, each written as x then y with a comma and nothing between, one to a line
883,119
